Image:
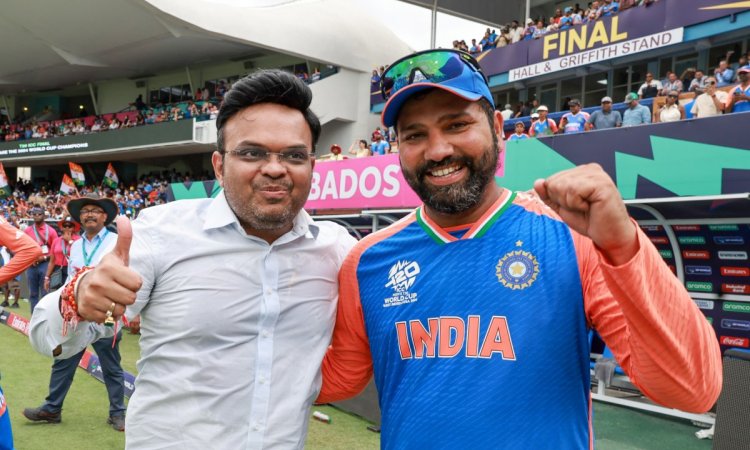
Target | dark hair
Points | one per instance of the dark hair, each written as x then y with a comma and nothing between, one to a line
367,144
267,86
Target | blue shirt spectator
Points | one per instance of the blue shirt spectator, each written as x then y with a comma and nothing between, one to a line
379,147
724,75
610,8
636,114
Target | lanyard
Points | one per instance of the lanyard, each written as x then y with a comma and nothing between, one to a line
39,238
65,250
86,257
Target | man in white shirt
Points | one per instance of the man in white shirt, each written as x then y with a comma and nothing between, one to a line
711,102
94,214
237,294
507,113
649,88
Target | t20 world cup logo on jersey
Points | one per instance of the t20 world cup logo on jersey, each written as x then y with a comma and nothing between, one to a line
401,277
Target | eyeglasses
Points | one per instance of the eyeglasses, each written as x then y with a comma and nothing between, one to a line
672,96
85,212
68,225
259,155
432,66
711,82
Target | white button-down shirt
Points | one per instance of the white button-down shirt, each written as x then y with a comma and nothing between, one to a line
233,329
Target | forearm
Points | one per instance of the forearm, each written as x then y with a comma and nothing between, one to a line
661,339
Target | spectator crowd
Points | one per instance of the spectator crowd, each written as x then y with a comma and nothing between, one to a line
131,197
563,19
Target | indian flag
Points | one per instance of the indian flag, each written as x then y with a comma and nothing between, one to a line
77,172
68,186
110,177
5,190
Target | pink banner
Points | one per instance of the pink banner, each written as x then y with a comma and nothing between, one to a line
364,183
360,183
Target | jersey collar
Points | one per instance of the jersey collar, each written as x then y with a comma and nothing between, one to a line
477,230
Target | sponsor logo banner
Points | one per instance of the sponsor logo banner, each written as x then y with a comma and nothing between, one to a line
699,286
704,304
696,254
691,240
736,307
698,270
735,341
729,240
735,271
734,324
666,253
686,227
723,228
732,288
659,240
651,227
739,256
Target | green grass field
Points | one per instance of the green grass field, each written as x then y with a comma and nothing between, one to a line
25,377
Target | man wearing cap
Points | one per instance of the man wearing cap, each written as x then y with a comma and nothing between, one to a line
575,120
45,236
566,21
463,306
380,146
605,117
520,132
543,126
739,96
635,114
93,214
507,113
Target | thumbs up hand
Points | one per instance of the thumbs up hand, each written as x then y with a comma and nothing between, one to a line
111,286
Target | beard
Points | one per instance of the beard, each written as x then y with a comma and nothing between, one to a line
457,197
265,217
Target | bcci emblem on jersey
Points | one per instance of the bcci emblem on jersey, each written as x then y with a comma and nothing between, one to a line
517,269
401,277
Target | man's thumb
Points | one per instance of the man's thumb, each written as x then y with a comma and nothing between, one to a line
124,238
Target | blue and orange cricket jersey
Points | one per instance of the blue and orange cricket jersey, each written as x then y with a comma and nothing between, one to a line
478,335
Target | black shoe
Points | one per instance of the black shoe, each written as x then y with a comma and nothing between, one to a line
14,305
117,422
4,304
40,415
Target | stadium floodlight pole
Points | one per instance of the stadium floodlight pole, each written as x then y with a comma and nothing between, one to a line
433,27
93,99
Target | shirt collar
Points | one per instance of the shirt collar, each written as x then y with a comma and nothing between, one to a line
219,215
99,235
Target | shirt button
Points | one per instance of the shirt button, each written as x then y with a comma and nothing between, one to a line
262,380
256,427
265,333
269,291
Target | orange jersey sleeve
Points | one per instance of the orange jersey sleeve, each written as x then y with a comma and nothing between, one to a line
347,366
657,334
25,251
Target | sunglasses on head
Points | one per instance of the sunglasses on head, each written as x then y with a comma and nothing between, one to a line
429,66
